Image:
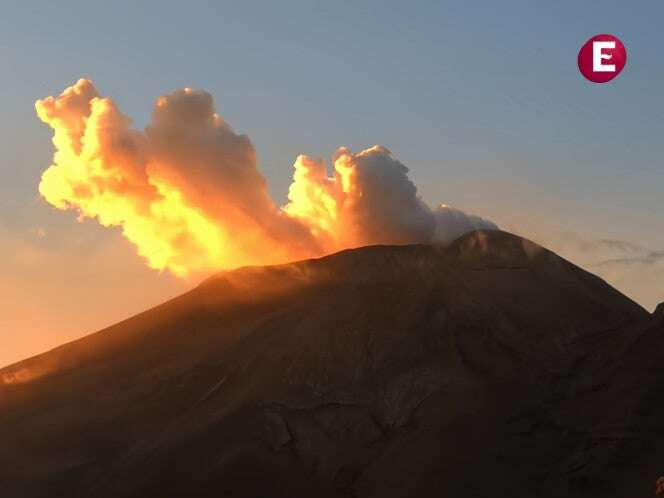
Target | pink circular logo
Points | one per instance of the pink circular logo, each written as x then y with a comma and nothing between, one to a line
602,58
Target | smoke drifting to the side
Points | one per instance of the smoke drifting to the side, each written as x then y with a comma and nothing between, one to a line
187,191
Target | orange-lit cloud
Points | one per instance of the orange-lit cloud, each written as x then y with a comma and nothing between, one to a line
369,200
188,194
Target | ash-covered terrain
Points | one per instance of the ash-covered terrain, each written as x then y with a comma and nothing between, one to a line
488,368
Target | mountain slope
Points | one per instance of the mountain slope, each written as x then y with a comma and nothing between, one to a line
491,367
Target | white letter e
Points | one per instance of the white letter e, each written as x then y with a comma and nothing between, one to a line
598,56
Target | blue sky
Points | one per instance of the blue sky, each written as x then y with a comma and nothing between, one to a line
481,100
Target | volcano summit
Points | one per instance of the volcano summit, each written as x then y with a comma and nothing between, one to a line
490,367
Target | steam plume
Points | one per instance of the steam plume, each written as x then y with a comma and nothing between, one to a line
452,223
187,191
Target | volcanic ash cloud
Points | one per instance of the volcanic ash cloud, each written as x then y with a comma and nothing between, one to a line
187,193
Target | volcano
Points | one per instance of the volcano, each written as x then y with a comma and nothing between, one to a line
487,368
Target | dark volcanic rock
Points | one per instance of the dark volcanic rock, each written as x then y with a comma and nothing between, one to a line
488,368
659,311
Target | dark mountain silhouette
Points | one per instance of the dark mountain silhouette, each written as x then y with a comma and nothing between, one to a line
489,368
